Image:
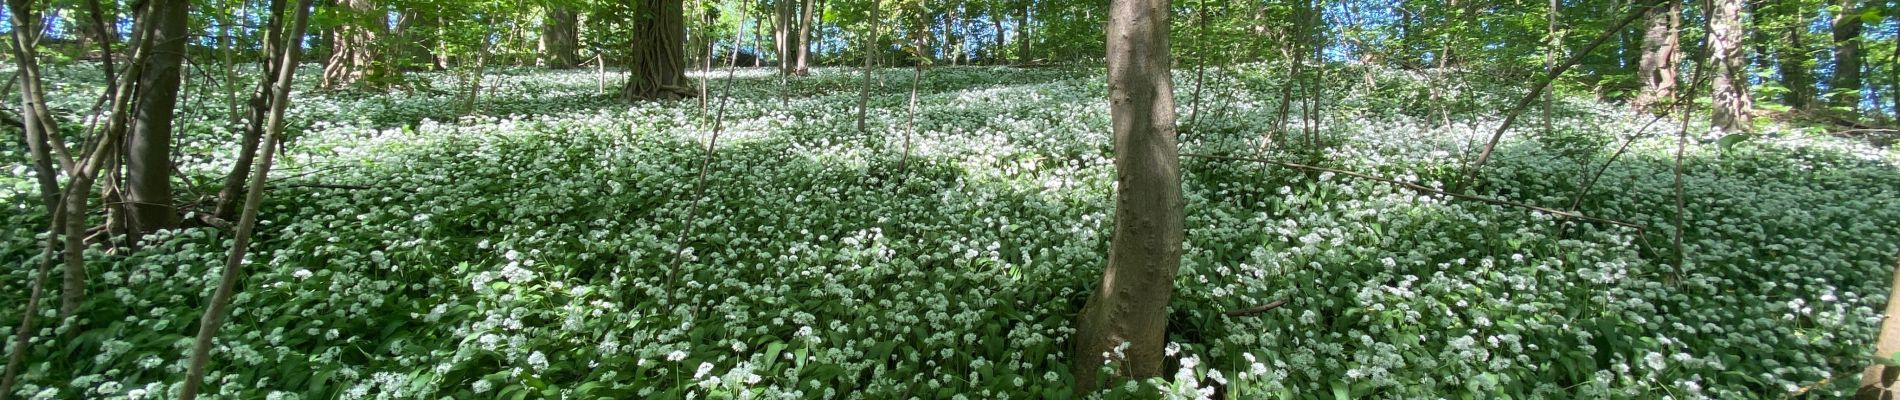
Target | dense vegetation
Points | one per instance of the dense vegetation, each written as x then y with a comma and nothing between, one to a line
409,252
974,199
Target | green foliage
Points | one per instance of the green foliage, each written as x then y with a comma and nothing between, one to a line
528,252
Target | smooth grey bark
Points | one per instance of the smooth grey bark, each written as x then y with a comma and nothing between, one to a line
149,148
560,38
1732,101
1845,88
802,66
1130,305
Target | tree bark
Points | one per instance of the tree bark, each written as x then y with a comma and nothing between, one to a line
870,50
1844,89
657,70
1877,381
802,66
1022,34
560,38
259,109
1662,49
353,52
1131,303
254,197
149,150
36,127
1732,102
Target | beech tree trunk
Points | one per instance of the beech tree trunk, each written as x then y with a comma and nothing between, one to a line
1131,304
787,37
1844,89
1732,103
802,66
1022,34
1662,49
657,70
149,150
560,38
353,52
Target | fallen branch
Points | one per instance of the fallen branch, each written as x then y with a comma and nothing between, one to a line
1256,310
1426,189
323,186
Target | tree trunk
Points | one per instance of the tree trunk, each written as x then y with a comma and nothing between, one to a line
1022,34
870,49
1662,48
1844,89
802,66
560,38
1877,381
996,23
1732,103
786,35
657,70
1130,306
254,197
953,33
149,163
1793,62
353,51
259,105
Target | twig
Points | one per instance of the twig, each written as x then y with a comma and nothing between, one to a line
1256,310
1426,189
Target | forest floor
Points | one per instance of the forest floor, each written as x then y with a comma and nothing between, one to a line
533,248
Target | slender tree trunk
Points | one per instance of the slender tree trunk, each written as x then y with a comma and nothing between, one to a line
1551,44
1877,381
149,165
1794,62
1471,172
1661,50
996,22
560,38
105,35
1022,34
870,48
953,32
1130,306
1732,103
35,128
802,66
1845,87
657,70
254,198
259,109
